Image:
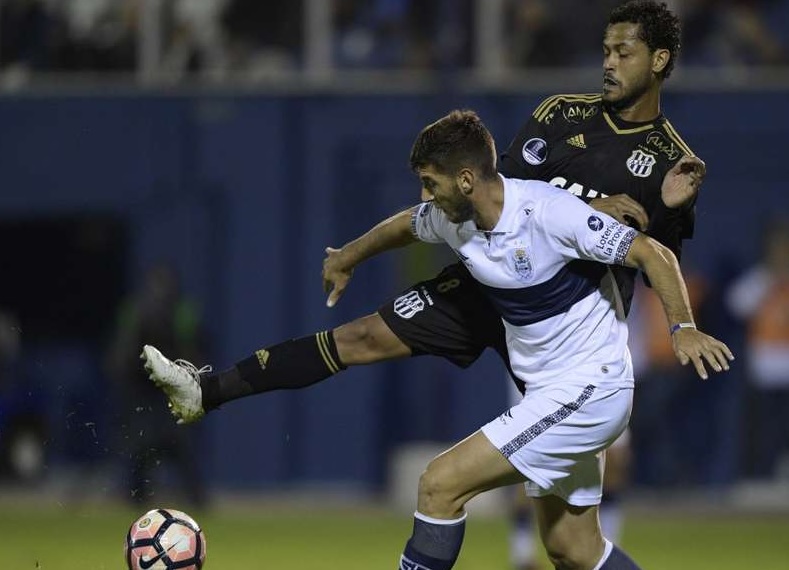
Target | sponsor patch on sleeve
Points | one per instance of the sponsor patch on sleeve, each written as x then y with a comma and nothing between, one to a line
613,239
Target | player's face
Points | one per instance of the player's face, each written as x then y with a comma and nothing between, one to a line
444,191
627,65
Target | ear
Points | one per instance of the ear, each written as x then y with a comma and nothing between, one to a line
660,59
465,181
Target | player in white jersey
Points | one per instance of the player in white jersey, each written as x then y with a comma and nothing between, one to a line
563,337
534,267
533,249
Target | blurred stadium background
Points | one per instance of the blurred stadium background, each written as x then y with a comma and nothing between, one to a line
211,149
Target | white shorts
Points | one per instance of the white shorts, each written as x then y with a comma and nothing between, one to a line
623,441
514,397
555,437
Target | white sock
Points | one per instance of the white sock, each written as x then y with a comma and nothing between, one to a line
606,553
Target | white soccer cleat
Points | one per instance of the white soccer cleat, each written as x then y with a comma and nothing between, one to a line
180,380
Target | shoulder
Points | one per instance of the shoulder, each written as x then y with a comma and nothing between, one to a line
538,197
571,107
532,189
665,141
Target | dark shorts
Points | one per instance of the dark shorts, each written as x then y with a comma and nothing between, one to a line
447,316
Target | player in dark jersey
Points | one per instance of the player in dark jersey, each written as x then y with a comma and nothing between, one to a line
616,143
593,145
580,143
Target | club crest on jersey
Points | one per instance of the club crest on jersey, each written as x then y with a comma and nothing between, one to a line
406,306
522,263
535,151
640,163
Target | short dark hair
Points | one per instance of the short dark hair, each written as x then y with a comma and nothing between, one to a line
659,27
455,141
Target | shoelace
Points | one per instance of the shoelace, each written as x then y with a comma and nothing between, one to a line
192,369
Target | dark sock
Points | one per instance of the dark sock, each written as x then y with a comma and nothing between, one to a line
286,366
434,545
618,560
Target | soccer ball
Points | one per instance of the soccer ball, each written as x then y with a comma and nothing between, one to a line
165,539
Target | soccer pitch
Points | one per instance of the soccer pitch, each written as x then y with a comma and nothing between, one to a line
91,538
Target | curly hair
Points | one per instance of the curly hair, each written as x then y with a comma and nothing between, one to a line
659,27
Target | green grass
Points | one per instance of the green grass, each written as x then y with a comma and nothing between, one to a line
91,538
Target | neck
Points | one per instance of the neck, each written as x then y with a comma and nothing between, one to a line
488,204
645,108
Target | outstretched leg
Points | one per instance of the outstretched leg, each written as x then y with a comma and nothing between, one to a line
289,365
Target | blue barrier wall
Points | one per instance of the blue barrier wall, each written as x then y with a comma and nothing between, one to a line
244,193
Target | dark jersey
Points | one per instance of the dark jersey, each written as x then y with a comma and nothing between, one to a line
573,142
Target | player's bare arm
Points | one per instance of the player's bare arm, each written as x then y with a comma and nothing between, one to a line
339,264
690,345
682,182
624,209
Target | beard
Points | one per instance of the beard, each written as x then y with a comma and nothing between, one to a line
461,209
629,98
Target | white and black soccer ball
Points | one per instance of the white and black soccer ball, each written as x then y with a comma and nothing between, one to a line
165,539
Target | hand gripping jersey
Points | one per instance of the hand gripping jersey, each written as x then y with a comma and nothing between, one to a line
575,143
536,266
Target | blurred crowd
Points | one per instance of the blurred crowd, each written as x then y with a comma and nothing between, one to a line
215,37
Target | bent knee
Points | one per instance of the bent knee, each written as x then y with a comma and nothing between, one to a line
575,553
438,496
368,340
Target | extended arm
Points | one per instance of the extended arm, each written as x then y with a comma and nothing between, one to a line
339,264
662,269
672,219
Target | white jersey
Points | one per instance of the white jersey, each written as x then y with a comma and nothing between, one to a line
542,268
